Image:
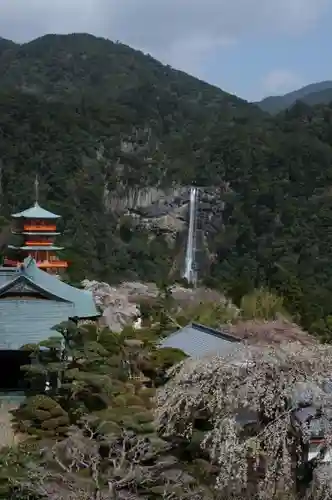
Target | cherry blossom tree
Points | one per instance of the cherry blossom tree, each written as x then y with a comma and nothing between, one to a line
255,412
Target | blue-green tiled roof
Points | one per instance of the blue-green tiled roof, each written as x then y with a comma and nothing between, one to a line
83,300
29,321
36,212
7,274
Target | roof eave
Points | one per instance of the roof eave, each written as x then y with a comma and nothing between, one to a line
90,312
38,288
38,248
32,213
22,215
214,331
34,233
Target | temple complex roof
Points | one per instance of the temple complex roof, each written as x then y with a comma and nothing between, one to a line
199,340
32,302
36,212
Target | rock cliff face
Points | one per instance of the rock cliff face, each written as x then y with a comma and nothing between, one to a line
167,210
155,209
120,304
143,198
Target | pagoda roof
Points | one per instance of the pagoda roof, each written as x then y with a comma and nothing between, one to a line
26,321
35,212
35,233
36,247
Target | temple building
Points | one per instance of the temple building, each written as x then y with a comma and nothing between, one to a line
36,231
33,299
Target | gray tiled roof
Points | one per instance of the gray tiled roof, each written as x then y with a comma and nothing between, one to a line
36,212
199,340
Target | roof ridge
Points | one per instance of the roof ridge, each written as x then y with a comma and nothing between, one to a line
22,276
10,283
29,261
214,331
57,287
32,264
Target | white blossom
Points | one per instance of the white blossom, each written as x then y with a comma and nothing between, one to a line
260,386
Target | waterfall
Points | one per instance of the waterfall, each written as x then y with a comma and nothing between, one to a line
189,267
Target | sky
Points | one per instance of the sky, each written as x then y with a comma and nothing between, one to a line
252,48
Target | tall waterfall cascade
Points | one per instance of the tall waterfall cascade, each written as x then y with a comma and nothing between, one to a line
190,270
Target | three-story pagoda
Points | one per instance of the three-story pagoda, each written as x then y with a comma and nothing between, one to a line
36,228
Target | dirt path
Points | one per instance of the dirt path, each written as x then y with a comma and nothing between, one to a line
7,436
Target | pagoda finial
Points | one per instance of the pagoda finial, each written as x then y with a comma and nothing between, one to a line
36,189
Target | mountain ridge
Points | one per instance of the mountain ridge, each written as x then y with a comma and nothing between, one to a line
91,50
312,94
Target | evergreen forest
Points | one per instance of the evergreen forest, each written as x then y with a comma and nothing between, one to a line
97,120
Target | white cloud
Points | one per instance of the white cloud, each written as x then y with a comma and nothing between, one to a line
180,32
281,81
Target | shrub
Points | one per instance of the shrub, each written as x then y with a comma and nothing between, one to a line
41,416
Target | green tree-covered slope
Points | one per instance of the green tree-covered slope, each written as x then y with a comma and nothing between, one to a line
95,119
101,122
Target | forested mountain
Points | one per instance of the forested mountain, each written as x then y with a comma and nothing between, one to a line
102,124
6,45
315,93
80,65
111,131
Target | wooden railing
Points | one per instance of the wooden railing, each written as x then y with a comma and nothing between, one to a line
39,228
38,243
10,262
42,264
55,264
